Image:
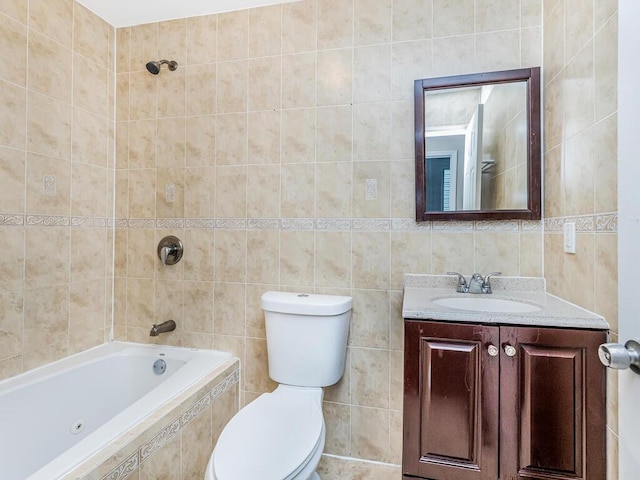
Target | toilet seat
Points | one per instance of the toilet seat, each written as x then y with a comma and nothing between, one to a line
274,437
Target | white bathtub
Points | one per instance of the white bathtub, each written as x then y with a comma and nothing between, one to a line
55,417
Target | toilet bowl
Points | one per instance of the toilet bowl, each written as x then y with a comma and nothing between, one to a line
281,435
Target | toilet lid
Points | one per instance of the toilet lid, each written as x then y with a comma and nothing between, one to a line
271,437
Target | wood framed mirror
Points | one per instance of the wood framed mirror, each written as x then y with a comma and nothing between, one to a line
478,150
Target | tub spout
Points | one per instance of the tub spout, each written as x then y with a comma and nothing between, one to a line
164,327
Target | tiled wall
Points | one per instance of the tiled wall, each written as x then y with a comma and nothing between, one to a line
268,132
580,87
56,169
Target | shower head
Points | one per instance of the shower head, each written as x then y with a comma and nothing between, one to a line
154,67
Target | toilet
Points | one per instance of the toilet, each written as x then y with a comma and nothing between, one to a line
280,435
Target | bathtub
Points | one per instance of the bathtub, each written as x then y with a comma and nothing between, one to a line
68,418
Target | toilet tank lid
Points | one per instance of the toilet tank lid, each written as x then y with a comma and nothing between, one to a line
305,303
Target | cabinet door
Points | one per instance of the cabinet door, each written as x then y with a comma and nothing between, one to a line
552,394
451,401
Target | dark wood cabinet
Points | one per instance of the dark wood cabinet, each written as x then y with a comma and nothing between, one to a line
493,402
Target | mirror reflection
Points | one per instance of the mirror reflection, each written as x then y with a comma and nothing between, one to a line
476,157
478,146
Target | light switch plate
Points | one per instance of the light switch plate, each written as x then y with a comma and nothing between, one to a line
570,237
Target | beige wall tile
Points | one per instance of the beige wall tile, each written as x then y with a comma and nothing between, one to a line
606,278
200,141
87,308
372,73
201,95
409,61
46,322
172,42
89,190
450,252
171,142
453,55
298,74
372,21
263,191
579,92
451,17
497,51
334,190
199,257
142,188
172,94
11,323
412,19
263,253
578,174
123,48
370,433
12,170
370,321
196,445
90,35
231,86
297,199
605,169
142,138
580,268
231,188
199,192
230,255
53,18
264,137
13,50
334,134
256,367
229,309
90,85
164,462
578,26
606,68
335,24
335,72
554,36
265,77
554,259
88,254
370,377
554,113
297,258
49,126
201,39
531,254
370,251
143,89
333,259
13,113
16,9
298,135
144,46
265,31
170,192
530,47
231,139
299,26
492,15
338,420
410,253
371,134
90,137
233,35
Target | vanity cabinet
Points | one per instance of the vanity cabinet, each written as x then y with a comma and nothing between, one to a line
491,402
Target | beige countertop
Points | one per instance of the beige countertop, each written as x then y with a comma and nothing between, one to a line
420,292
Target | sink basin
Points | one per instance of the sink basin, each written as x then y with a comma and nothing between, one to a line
484,304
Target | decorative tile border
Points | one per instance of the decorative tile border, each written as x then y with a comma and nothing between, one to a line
129,465
600,223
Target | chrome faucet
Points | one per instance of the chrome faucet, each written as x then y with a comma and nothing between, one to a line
476,283
164,327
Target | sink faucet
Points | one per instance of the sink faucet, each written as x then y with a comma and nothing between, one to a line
164,327
476,283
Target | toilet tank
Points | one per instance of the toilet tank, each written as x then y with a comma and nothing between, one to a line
306,337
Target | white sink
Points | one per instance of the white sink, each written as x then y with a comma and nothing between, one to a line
486,304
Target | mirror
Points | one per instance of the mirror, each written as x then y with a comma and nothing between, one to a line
478,146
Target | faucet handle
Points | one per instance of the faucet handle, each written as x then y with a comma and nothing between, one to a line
486,285
462,282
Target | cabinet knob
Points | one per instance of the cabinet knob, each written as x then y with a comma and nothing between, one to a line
510,350
492,350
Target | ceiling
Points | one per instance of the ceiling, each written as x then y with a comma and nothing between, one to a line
124,13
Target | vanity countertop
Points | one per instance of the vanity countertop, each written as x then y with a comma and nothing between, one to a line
421,291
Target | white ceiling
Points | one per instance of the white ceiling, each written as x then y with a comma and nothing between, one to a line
124,13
